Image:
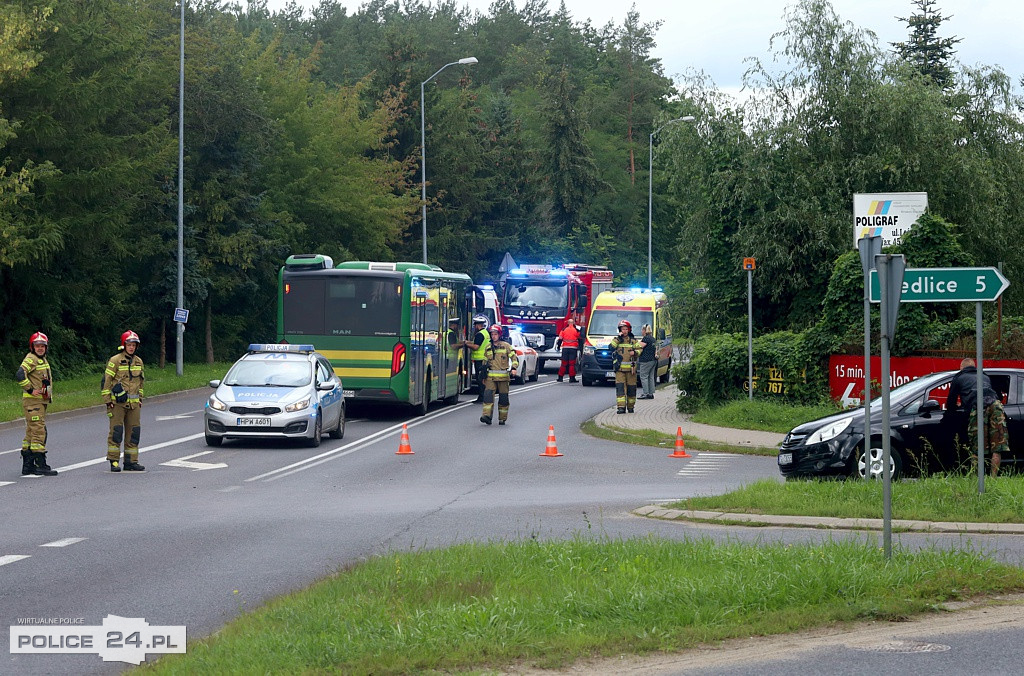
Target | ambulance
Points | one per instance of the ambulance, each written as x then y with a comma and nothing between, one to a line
638,307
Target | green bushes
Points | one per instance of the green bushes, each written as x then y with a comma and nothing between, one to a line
783,369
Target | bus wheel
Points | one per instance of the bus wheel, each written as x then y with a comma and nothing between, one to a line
424,405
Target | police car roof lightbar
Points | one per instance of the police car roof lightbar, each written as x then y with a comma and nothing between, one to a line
279,347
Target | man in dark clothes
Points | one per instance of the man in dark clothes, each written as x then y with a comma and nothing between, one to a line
964,387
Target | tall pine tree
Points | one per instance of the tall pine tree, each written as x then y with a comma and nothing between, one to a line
924,49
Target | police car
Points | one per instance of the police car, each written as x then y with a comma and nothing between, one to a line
276,391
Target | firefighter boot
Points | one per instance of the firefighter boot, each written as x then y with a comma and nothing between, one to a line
115,465
28,463
132,465
42,469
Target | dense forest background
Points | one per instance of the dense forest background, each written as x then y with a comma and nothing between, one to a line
302,134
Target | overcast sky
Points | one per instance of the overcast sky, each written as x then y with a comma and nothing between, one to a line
716,36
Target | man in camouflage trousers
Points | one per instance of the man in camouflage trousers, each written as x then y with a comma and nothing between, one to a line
964,388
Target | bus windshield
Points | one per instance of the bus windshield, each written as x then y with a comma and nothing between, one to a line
342,306
527,295
606,322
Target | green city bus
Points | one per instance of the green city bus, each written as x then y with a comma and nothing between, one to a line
383,326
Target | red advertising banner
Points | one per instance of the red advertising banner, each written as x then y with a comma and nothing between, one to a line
846,373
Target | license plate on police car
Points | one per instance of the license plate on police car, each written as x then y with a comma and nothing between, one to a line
785,458
349,393
254,422
609,374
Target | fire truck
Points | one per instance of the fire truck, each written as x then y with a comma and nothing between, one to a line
542,299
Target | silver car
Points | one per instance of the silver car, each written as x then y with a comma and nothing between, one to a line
276,391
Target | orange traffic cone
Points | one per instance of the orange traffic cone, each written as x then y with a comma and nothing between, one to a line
552,448
680,451
403,444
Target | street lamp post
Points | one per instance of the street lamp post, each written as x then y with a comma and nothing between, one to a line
468,61
650,190
179,342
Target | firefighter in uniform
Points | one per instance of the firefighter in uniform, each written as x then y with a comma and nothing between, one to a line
36,382
122,393
627,350
502,362
481,340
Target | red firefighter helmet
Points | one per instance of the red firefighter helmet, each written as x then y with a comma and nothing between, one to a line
626,324
495,327
129,336
38,337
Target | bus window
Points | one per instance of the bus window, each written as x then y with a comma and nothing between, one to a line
304,306
363,306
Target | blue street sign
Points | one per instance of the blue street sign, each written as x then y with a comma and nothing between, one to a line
181,315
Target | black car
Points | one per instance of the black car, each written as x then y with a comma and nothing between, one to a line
925,437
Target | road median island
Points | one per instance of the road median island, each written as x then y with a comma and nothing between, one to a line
948,504
552,604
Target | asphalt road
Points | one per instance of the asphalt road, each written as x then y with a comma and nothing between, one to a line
207,533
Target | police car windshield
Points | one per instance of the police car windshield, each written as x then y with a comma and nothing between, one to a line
272,372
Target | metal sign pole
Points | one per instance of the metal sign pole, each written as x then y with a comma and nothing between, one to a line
869,248
979,408
750,334
882,263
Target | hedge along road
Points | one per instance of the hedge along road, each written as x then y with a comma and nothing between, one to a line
183,545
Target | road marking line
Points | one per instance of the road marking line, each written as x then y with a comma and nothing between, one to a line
15,450
194,466
63,543
6,483
354,446
11,558
100,461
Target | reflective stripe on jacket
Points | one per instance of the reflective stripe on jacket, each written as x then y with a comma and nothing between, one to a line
501,357
30,375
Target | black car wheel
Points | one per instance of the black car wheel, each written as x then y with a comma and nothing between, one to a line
318,431
214,441
876,464
339,431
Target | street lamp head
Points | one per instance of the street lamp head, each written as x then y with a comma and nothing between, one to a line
468,61
686,118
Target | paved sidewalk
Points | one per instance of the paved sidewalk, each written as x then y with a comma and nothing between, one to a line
660,414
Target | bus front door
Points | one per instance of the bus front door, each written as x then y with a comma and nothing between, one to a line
418,343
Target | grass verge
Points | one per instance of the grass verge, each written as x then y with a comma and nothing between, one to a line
937,498
484,606
662,440
761,414
84,391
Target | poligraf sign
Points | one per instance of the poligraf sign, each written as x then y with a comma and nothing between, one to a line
886,215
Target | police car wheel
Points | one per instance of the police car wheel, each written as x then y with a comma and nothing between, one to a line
214,441
318,431
339,431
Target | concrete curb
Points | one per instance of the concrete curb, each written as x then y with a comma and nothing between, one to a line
660,512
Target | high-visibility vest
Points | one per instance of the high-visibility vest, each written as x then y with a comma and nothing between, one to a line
478,353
